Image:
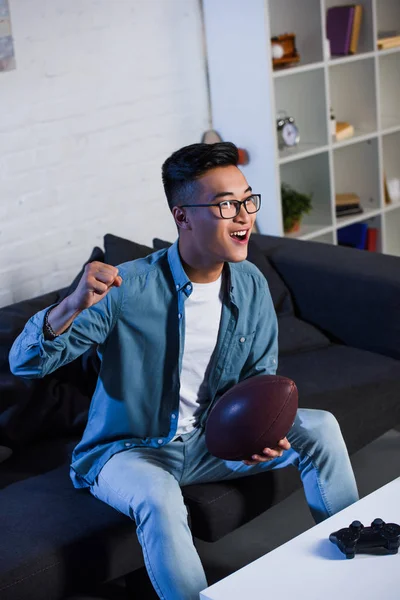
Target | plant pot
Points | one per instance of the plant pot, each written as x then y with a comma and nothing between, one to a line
295,227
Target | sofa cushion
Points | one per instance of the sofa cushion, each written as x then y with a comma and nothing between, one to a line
360,388
96,255
119,250
279,292
54,537
295,335
34,408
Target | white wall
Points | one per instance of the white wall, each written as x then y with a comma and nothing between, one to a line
103,92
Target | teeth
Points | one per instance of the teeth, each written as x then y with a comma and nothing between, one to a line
238,233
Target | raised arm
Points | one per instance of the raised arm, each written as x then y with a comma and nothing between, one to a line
59,334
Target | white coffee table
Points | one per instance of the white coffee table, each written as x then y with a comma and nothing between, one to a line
310,567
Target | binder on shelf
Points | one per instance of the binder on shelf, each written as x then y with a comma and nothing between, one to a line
372,239
355,31
354,236
339,25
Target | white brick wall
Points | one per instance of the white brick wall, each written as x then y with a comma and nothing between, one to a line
103,92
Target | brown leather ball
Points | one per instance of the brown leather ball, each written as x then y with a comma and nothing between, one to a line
253,415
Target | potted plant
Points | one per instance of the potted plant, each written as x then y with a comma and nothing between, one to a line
294,205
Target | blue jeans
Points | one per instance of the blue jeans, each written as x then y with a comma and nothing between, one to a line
145,484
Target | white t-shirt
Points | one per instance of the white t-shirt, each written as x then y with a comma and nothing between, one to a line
202,317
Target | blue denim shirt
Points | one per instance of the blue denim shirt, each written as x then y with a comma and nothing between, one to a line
139,332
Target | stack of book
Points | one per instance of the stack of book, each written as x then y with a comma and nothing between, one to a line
347,204
388,39
343,25
359,235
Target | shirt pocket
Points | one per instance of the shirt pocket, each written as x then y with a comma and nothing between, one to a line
240,350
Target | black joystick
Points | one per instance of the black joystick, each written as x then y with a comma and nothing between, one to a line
357,538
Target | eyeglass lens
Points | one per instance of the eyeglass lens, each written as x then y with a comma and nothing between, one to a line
231,208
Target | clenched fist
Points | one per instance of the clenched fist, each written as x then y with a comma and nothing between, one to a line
96,281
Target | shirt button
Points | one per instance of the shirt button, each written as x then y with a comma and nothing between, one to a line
189,287
179,316
128,444
242,339
173,416
177,286
159,441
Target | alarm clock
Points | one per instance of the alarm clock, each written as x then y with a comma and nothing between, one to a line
288,133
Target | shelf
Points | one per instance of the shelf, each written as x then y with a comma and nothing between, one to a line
389,130
325,238
367,214
356,171
302,150
287,16
392,227
310,232
300,68
296,96
389,51
350,94
342,60
311,176
363,89
387,16
358,137
391,164
389,84
390,207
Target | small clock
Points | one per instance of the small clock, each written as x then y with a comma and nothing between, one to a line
288,133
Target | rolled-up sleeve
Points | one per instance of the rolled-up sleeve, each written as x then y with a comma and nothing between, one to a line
32,356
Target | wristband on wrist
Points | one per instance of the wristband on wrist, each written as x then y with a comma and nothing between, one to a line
48,331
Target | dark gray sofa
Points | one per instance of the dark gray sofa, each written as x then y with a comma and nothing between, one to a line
339,321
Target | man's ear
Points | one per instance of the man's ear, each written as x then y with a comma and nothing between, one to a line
180,218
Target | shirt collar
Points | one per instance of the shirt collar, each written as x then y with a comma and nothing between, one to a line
181,280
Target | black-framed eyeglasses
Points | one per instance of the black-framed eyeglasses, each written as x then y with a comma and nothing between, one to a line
229,209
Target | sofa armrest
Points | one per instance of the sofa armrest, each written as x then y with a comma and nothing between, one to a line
353,296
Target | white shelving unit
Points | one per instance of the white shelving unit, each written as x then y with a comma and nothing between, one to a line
363,89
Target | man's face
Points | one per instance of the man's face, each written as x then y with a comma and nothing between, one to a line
212,238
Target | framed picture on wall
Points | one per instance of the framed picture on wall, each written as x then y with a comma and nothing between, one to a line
7,57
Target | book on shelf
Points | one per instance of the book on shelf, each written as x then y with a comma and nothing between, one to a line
347,204
341,209
372,239
351,210
339,24
343,25
388,39
344,130
355,30
346,199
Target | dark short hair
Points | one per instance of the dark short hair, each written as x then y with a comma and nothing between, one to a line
184,166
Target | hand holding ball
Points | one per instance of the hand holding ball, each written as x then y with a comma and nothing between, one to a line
253,415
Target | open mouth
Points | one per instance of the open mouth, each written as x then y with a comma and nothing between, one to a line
241,236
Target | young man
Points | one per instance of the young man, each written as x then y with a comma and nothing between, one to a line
174,331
